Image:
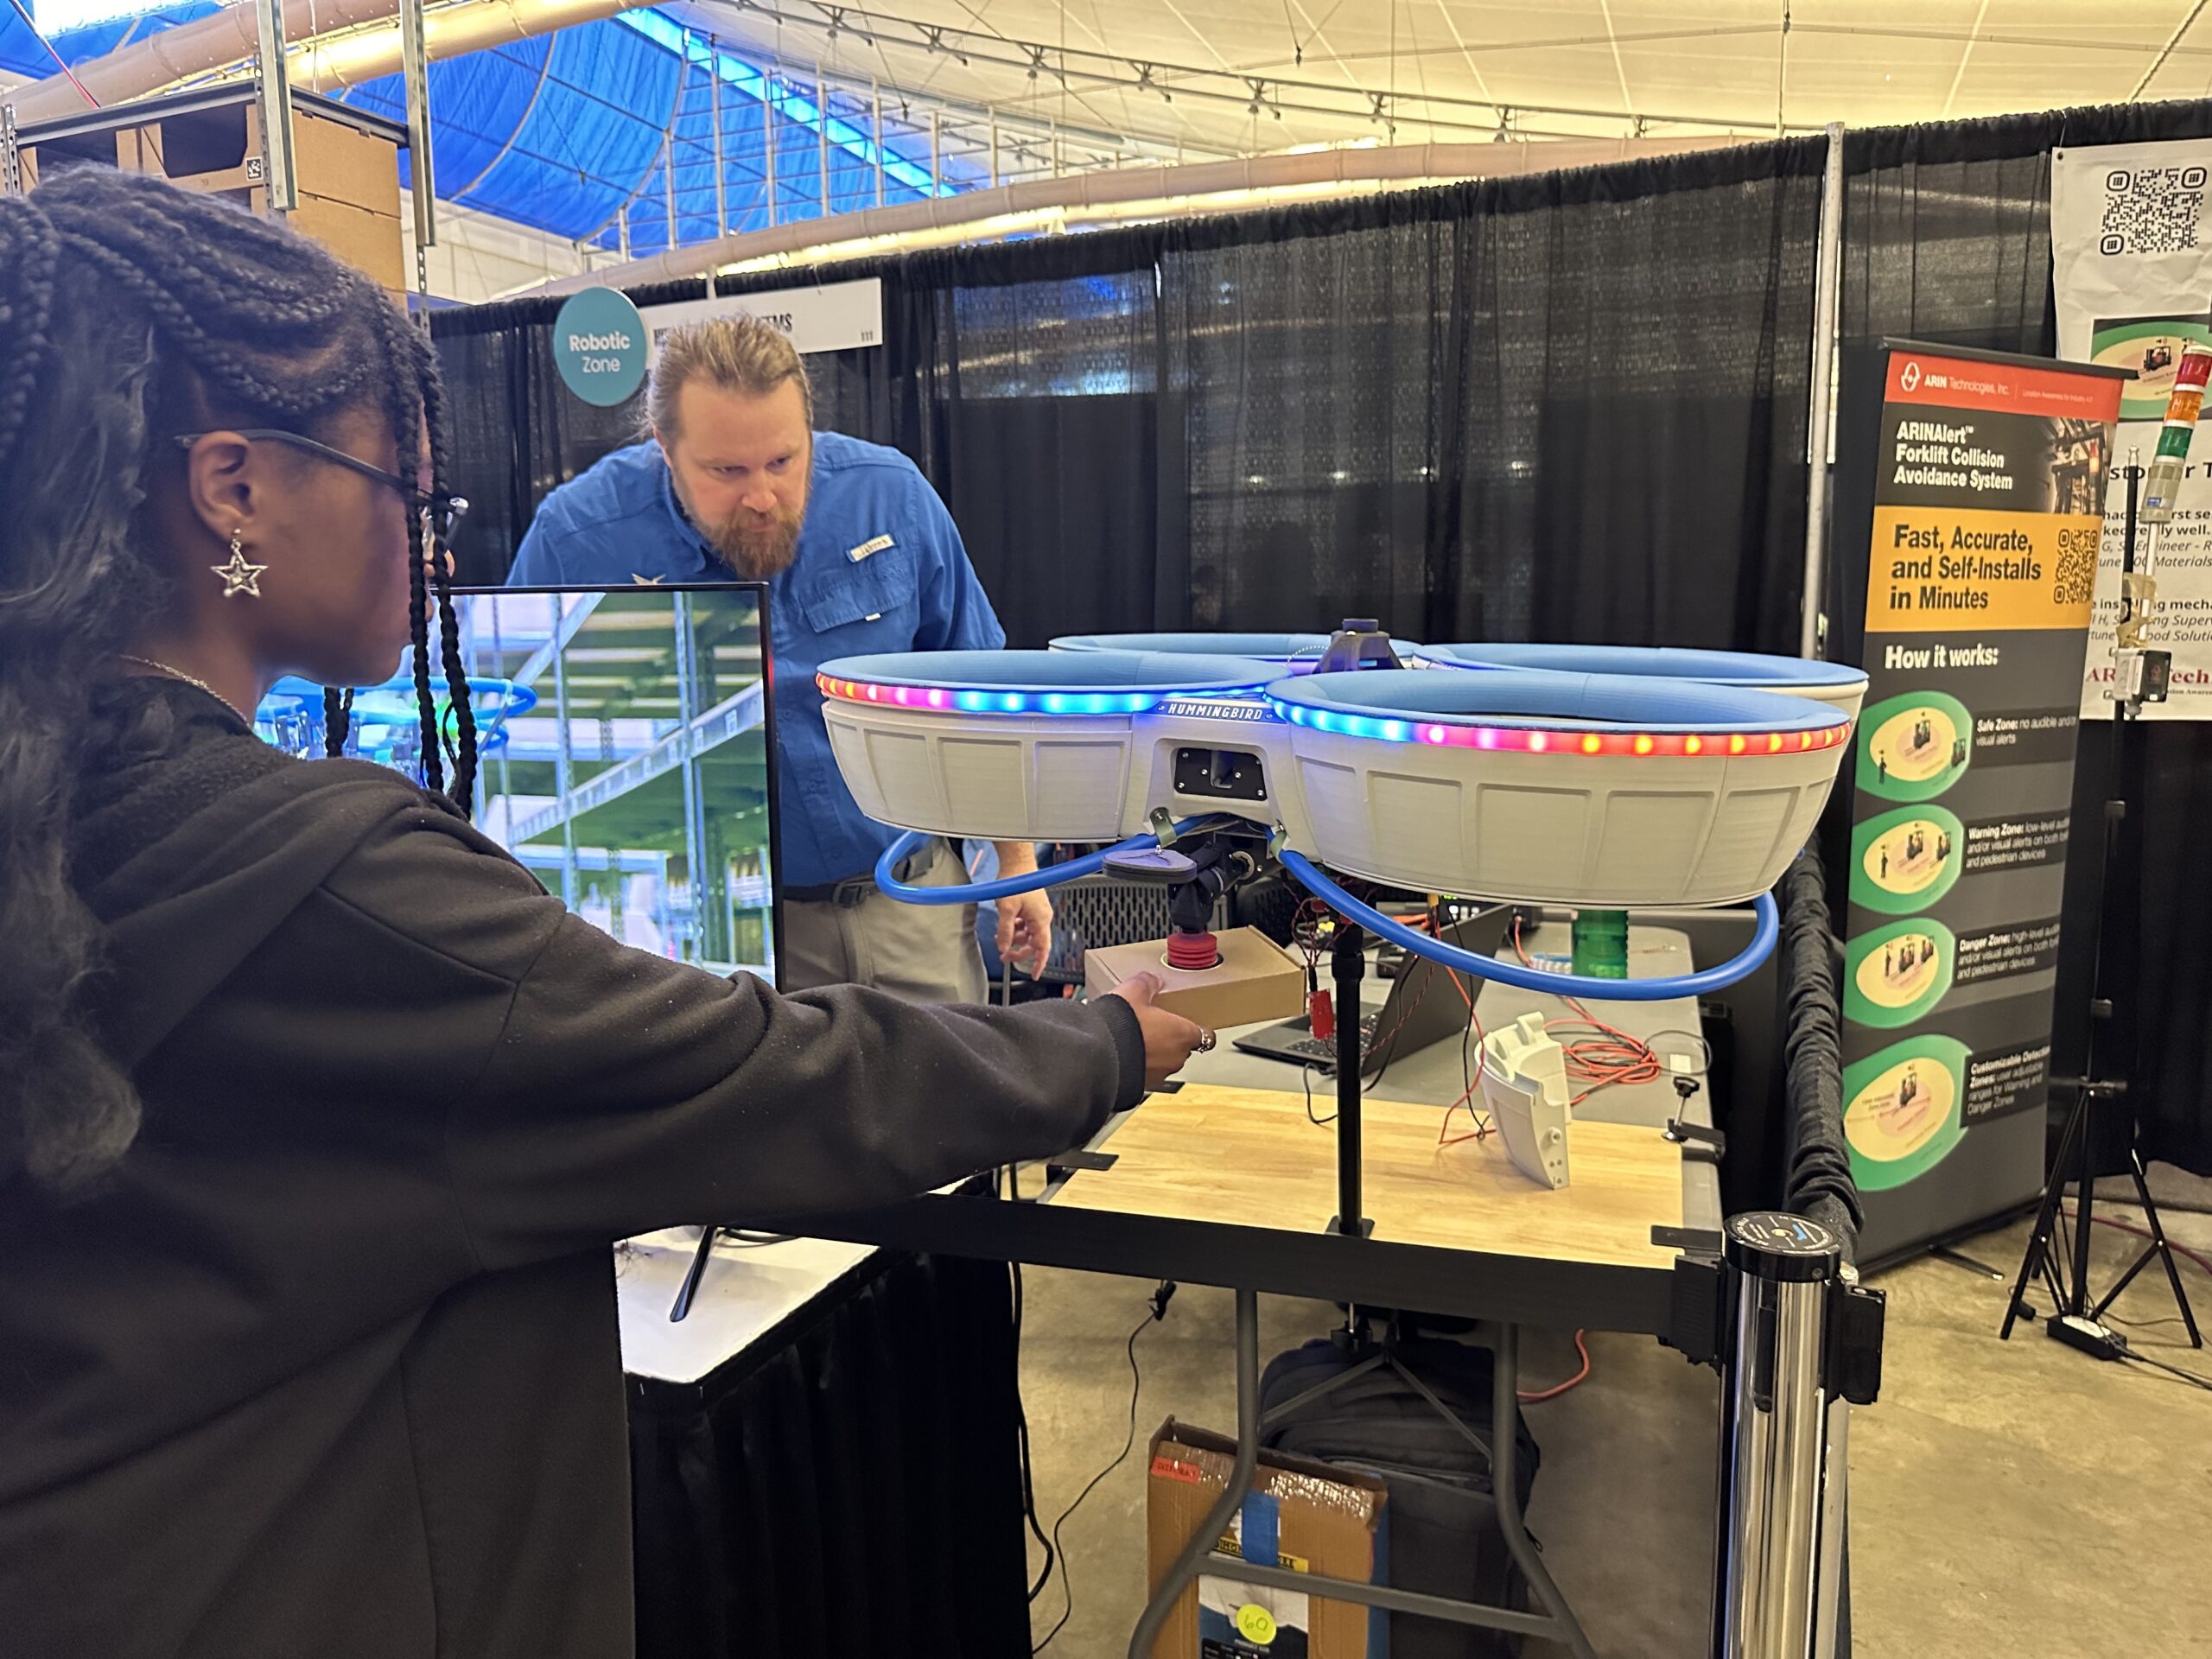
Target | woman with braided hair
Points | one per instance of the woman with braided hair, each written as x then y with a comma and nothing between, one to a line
317,1115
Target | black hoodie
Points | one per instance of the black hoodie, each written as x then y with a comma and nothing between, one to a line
328,1366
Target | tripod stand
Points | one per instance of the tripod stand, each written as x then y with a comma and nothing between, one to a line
2076,1319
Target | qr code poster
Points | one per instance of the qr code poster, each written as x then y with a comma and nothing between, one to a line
2130,236
2131,253
2151,210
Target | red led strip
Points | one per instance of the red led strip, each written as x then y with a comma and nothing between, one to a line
902,696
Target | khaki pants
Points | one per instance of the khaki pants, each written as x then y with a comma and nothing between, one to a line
924,952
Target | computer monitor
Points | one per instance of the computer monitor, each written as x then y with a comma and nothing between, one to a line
624,755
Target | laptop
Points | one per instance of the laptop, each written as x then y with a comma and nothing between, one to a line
1421,1008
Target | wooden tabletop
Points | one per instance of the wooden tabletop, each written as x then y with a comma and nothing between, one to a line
1250,1157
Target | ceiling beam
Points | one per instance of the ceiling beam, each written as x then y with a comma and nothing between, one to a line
2172,44
1228,86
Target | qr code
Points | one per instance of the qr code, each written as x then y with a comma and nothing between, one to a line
2076,581
2151,210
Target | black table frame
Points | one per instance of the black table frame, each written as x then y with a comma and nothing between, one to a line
1680,1303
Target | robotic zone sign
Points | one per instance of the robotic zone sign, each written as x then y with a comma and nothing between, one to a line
599,347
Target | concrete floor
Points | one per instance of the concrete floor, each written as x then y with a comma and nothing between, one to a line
2008,1498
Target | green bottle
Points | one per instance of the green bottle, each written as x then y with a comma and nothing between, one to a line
1601,943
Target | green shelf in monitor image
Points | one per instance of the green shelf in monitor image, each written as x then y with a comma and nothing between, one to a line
1897,972
1915,747
1902,1110
1903,861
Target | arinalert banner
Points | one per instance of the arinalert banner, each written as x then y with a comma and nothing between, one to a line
2130,266
1976,482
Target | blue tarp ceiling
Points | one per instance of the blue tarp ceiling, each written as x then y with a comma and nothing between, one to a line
568,132
22,54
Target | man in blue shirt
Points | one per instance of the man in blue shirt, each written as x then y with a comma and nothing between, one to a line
860,556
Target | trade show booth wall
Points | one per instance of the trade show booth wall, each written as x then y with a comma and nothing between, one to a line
1563,406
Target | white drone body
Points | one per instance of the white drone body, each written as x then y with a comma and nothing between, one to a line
1565,788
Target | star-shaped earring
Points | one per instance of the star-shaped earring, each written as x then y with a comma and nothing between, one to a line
240,576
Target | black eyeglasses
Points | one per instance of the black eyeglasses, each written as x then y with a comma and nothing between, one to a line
441,513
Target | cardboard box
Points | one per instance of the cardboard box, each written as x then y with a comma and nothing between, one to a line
340,163
1324,1521
368,242
1256,979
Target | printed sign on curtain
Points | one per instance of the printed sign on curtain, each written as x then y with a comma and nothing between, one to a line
2131,252
820,317
1984,487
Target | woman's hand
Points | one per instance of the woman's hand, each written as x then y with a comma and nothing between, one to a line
1169,1039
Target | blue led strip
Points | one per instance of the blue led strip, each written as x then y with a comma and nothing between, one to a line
1534,737
978,699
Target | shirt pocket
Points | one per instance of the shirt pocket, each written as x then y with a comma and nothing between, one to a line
877,589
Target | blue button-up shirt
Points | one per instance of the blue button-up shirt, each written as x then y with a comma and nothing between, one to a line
879,567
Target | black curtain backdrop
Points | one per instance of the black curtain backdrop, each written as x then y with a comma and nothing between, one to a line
1566,406
1034,408
848,1485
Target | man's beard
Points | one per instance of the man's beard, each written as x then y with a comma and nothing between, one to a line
758,546
755,546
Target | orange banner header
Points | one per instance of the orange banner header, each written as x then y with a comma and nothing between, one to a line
1961,382
1945,569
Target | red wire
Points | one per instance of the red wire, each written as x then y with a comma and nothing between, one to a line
29,23
1542,1394
1483,1125
1613,1057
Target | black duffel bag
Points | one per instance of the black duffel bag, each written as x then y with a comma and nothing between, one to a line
1444,1538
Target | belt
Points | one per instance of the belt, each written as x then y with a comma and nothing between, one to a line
849,894
853,892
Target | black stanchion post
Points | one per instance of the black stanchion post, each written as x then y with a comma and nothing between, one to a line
1348,967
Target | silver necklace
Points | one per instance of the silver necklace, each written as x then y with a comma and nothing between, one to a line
188,679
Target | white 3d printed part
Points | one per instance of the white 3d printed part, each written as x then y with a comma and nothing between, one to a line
1524,1086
